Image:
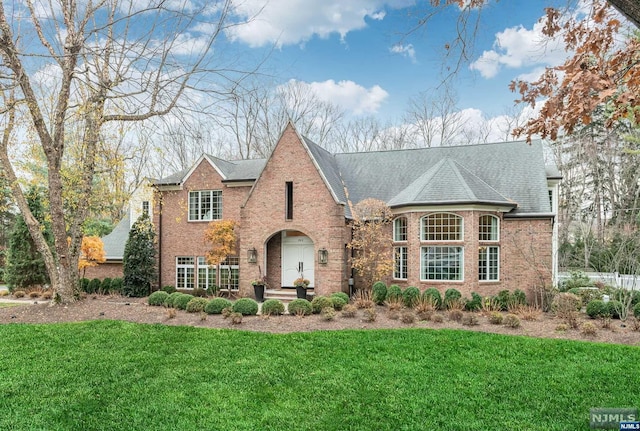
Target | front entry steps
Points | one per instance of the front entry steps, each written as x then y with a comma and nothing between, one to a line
285,295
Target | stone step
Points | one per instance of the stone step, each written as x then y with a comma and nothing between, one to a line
284,295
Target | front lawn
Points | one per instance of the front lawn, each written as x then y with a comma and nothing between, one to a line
107,375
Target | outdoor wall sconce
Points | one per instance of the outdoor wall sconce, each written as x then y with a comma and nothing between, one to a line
252,255
323,256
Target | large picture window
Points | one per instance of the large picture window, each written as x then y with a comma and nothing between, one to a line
442,263
185,272
400,258
488,228
229,273
206,274
442,227
489,263
205,205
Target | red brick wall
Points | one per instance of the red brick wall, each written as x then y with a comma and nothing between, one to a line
315,214
177,235
104,270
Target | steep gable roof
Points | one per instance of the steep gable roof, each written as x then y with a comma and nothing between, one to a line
115,241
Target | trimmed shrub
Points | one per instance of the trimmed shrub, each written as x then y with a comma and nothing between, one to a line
105,286
169,289
196,305
512,321
300,307
614,308
341,295
319,303
434,294
473,304
84,285
369,315
246,307
116,285
328,314
588,329
272,307
410,296
518,297
394,293
636,311
596,308
450,296
338,302
379,292
349,310
171,298
180,302
157,298
216,305
94,285
496,318
502,298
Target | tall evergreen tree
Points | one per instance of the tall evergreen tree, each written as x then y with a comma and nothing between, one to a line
25,265
139,258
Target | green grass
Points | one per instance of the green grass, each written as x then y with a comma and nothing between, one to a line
114,376
11,304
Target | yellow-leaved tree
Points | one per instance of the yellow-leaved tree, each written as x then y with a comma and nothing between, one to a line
222,236
91,253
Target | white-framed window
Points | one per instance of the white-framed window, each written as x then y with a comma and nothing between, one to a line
442,227
443,263
400,229
400,255
488,228
205,205
145,207
230,273
185,272
206,274
489,263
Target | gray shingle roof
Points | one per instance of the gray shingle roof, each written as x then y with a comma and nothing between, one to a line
114,242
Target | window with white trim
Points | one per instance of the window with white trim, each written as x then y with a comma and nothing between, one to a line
400,229
441,227
206,274
442,263
205,205
230,273
185,272
400,255
489,263
488,228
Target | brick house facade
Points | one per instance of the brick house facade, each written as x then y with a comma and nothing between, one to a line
477,218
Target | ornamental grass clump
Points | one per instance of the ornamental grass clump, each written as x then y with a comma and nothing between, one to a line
470,319
196,305
246,307
451,296
369,315
408,317
434,294
157,298
216,305
495,318
349,311
272,307
511,321
588,329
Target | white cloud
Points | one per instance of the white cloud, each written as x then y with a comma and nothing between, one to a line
404,50
348,95
518,47
287,22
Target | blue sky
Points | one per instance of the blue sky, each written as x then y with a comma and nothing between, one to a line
345,49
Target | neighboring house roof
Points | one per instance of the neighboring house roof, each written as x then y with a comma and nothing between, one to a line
114,242
510,174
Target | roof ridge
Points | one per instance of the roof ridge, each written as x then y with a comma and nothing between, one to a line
484,183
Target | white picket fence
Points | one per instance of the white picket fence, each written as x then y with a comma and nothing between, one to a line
629,282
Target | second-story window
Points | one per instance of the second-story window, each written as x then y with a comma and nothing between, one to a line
205,205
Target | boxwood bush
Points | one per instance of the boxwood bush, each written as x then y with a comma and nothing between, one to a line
410,296
157,298
518,297
105,285
169,289
299,306
246,307
502,298
94,285
473,304
319,303
434,294
338,302
596,308
272,307
341,295
216,305
636,311
196,305
450,296
180,302
394,293
613,308
171,298
379,291
116,285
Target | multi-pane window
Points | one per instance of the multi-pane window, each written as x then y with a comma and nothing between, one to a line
441,227
145,207
229,273
185,272
488,228
205,205
400,229
442,263
400,267
489,263
206,274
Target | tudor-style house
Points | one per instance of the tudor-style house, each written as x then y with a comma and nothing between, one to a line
478,218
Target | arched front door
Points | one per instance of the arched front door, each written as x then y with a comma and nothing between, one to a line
297,258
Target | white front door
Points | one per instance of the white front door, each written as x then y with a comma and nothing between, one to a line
297,258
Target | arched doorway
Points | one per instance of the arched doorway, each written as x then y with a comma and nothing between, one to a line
298,258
